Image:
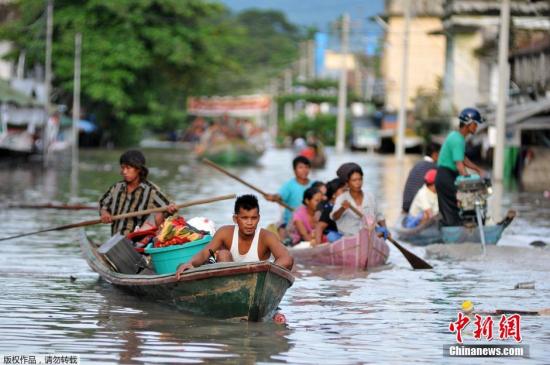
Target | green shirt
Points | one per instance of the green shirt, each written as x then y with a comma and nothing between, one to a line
452,150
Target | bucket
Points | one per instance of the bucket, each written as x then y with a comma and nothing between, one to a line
167,259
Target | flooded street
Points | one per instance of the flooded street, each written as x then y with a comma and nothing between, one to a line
392,315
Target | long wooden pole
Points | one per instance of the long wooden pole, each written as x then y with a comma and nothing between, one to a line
415,261
54,206
224,171
124,216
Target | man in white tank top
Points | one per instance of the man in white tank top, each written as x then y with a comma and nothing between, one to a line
243,242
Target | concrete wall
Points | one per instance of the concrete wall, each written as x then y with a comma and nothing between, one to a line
465,90
426,57
536,174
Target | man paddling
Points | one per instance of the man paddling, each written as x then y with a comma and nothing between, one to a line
132,194
242,242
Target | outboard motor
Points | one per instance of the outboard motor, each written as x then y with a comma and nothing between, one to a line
472,193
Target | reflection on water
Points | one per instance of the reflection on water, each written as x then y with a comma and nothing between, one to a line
334,315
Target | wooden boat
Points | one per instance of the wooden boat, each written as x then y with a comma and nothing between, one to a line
362,251
224,290
432,232
232,153
319,161
422,235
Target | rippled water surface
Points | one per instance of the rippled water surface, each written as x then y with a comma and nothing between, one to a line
392,315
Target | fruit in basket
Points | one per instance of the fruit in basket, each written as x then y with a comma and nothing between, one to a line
174,231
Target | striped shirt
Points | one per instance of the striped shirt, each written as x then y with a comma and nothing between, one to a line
117,201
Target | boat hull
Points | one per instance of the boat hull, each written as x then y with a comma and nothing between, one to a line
224,290
232,154
472,235
423,235
362,251
432,232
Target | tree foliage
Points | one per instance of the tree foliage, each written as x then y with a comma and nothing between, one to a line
141,59
323,126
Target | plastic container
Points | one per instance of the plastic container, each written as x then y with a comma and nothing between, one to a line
167,259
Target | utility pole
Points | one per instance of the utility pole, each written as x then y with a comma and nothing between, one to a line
342,88
47,77
498,154
76,98
273,123
402,115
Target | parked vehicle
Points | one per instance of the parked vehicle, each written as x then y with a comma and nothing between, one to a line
365,134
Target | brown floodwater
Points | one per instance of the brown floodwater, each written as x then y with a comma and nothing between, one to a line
393,315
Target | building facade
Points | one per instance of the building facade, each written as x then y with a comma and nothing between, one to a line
426,49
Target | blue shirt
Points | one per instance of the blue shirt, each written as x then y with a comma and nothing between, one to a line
292,194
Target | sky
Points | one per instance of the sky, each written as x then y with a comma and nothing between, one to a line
320,13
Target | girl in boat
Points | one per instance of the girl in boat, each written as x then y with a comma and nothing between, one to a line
348,222
303,219
326,229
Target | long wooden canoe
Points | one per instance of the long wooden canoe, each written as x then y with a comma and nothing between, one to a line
363,251
224,290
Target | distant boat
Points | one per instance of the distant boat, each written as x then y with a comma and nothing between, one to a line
231,152
224,290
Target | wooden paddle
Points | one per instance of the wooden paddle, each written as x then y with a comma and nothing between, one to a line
222,170
415,261
124,216
54,206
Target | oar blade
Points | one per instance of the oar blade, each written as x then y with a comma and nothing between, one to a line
416,262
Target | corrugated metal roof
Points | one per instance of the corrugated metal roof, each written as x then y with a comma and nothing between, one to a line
462,7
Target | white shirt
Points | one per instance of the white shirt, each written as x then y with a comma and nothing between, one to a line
252,254
349,222
423,200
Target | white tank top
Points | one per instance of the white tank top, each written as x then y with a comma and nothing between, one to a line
252,254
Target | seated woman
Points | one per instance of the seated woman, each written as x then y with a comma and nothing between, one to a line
326,229
424,205
348,222
303,219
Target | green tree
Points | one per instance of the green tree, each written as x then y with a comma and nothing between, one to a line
268,44
140,58
323,126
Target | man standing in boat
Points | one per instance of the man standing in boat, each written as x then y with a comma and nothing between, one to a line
243,242
452,162
132,194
